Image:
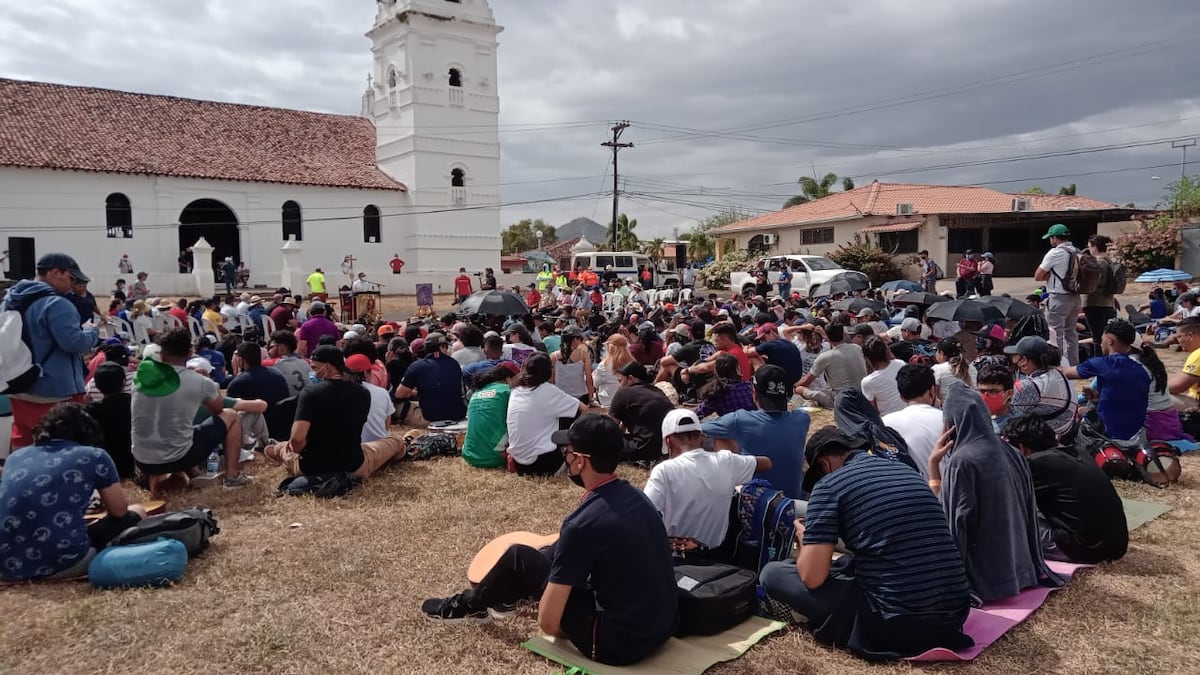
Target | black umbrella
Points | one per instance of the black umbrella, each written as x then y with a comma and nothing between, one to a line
918,298
858,304
965,310
497,303
1012,308
846,282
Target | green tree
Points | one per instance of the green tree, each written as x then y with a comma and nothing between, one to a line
653,249
702,239
523,236
627,239
1068,190
1033,190
1183,198
813,188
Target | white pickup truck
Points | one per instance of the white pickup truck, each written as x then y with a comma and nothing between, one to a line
808,272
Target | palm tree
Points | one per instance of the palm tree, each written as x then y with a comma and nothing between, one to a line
1068,190
812,189
653,249
626,237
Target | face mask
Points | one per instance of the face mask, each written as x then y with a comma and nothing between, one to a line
575,478
995,401
312,377
981,343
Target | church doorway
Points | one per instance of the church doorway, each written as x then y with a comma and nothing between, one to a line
215,222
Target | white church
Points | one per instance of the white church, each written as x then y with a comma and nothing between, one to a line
100,174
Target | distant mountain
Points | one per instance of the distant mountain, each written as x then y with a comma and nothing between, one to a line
582,227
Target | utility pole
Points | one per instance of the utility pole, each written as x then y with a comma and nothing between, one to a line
616,146
1178,145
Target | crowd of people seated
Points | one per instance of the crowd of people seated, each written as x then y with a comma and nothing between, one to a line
946,481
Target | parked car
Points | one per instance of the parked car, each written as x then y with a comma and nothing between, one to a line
808,272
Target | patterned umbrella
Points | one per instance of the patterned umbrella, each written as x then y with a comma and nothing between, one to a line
1163,274
902,285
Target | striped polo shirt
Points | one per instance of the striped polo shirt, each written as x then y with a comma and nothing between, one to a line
904,557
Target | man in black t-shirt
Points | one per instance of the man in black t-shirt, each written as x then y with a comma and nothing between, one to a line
640,408
1080,515
608,584
330,415
690,354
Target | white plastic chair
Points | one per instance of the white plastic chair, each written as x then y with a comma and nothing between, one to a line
268,325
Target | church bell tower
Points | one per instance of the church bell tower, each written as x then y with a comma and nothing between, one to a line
434,102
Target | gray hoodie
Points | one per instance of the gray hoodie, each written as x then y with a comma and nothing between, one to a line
987,494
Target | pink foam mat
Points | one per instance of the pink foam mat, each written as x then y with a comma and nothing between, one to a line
986,624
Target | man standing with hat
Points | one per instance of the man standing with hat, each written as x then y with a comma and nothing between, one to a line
1057,270
903,588
608,584
55,340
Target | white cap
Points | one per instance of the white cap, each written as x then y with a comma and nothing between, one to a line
201,364
152,352
350,335
679,421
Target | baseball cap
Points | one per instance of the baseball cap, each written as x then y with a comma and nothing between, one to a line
201,364
770,382
826,439
434,341
863,329
330,355
865,312
1031,346
646,325
679,421
358,363
683,330
635,369
317,307
387,329
996,332
571,331
597,436
349,335
1057,230
359,328
62,261
766,328
911,324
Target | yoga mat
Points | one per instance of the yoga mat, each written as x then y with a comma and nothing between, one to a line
679,656
1138,513
986,624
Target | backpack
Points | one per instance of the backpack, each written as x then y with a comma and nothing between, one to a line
762,526
938,272
18,372
1083,274
154,563
323,485
1156,465
190,527
1116,278
713,598
427,446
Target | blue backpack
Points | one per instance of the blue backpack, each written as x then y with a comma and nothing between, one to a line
155,563
762,526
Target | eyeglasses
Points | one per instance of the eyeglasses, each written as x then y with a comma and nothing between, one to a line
566,450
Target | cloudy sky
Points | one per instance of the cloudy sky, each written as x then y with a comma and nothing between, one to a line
730,102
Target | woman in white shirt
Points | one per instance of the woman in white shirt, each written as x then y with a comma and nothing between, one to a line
616,355
534,408
879,387
143,325
951,366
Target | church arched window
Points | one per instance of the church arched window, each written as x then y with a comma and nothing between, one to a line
455,77
391,77
371,224
118,216
458,178
293,221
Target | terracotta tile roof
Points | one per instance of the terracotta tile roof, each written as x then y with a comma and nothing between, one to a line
55,126
881,199
904,226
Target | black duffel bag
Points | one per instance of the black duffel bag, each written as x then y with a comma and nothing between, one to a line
713,598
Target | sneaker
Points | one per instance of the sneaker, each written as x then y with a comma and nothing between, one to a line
239,481
205,479
505,611
246,456
453,610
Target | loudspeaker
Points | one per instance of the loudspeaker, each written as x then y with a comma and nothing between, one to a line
21,258
681,260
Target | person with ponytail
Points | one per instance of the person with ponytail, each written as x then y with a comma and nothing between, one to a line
951,366
573,366
1162,420
726,391
605,378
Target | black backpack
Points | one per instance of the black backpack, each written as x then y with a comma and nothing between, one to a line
713,598
191,527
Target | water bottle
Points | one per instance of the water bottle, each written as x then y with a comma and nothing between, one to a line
214,463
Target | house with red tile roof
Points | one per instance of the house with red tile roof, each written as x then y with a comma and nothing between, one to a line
101,174
943,219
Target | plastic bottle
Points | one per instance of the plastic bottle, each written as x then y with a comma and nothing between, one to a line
214,463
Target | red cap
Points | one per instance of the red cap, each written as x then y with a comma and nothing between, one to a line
358,363
763,329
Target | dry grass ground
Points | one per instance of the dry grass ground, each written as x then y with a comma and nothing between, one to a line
339,592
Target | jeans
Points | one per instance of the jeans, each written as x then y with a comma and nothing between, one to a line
1097,317
964,287
782,582
1062,313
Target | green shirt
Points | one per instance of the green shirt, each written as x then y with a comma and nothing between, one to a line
487,430
204,413
553,343
544,279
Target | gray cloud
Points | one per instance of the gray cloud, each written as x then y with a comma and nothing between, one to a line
702,65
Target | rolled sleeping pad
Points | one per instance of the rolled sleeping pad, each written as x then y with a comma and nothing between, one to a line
156,563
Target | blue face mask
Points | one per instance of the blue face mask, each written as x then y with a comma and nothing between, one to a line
312,377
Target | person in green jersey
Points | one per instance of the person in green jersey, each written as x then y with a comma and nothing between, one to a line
487,431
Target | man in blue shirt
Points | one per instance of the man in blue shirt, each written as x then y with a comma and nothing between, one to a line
903,589
436,381
1123,383
778,352
772,431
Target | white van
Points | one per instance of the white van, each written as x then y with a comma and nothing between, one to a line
624,263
